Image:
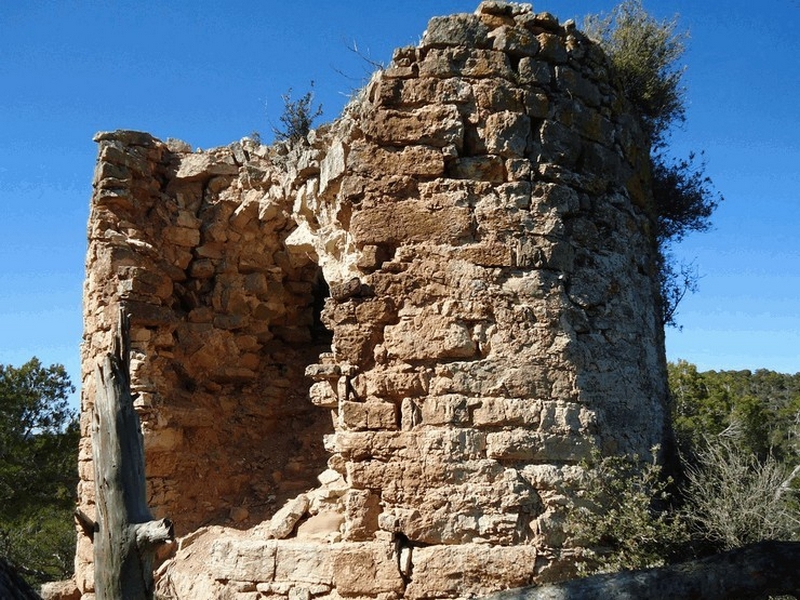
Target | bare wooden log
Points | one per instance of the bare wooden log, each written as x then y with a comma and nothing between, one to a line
756,571
125,534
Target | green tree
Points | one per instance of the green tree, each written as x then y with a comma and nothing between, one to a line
39,437
760,410
298,116
645,54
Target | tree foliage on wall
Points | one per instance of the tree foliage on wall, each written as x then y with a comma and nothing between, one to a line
39,437
646,55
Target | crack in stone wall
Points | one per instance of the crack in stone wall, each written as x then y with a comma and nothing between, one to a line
480,221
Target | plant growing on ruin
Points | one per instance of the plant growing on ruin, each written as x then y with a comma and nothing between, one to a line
645,54
622,517
298,116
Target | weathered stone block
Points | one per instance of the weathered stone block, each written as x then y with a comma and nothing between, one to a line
577,84
243,560
507,133
429,337
495,95
323,395
515,41
502,412
362,508
435,125
369,415
481,168
522,444
486,254
445,410
203,165
324,526
552,48
284,521
464,62
397,93
366,569
470,570
182,236
456,30
305,563
395,384
410,221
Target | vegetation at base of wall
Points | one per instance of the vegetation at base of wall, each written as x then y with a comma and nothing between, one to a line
645,54
621,516
739,438
733,498
39,437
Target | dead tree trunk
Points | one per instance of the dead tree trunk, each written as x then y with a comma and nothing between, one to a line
755,571
126,536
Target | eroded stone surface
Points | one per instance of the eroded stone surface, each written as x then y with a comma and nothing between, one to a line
438,305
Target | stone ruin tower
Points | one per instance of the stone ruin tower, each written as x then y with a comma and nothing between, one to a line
368,364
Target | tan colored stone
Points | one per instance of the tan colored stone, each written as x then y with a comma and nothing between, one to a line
366,569
428,337
430,125
285,520
410,221
519,444
368,415
324,526
470,570
507,134
323,395
305,563
362,508
453,62
60,590
243,560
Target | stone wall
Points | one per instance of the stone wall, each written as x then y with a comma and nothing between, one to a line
451,287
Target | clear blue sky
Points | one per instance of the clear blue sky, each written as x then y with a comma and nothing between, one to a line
212,72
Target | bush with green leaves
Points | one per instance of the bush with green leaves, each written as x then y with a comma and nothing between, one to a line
627,515
622,517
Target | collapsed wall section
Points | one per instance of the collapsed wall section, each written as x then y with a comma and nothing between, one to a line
480,221
223,324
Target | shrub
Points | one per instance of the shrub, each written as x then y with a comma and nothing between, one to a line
623,519
735,499
298,116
